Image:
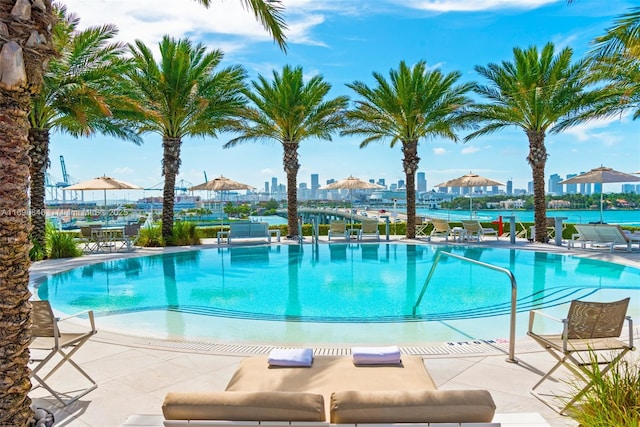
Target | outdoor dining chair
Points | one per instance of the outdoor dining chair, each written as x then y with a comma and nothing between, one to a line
49,342
590,334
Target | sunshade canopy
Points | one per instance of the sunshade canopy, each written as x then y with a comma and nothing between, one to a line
470,180
351,183
222,184
601,175
103,183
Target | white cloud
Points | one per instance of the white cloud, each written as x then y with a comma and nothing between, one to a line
124,171
473,5
438,151
469,150
267,172
149,20
587,132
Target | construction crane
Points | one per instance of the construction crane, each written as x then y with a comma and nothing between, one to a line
65,176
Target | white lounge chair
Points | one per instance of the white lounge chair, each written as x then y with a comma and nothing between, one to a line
369,229
440,228
473,229
338,228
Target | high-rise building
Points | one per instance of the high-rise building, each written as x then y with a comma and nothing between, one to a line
401,183
422,182
530,187
509,188
382,182
597,187
571,188
554,185
315,184
266,187
585,187
274,187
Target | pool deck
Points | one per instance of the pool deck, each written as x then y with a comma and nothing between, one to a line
135,373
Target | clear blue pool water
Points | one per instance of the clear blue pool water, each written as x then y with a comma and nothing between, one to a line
337,293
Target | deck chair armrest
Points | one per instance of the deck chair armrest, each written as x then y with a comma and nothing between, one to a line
630,321
89,313
534,313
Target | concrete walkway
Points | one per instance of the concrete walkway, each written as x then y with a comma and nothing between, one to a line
134,374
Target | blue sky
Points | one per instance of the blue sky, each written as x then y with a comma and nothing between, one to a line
344,41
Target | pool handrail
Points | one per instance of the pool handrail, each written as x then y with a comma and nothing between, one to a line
514,292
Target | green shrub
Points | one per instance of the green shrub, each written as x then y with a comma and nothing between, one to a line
37,252
62,245
614,398
184,234
151,237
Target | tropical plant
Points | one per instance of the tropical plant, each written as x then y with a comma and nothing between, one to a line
415,103
183,97
151,237
270,15
184,234
62,245
616,60
540,92
614,397
26,47
81,95
288,110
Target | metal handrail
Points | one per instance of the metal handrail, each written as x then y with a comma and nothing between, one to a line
514,292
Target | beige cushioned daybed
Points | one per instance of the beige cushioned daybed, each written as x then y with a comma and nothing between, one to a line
332,391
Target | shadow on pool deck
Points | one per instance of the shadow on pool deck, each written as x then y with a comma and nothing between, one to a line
134,373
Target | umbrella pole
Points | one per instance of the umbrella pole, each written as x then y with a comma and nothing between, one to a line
601,203
106,211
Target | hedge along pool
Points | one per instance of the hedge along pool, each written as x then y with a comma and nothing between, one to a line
331,294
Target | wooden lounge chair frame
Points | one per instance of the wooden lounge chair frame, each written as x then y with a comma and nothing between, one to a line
48,341
590,328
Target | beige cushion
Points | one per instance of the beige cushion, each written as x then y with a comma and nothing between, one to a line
330,374
418,406
245,406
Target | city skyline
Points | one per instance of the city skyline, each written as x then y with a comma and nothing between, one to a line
345,41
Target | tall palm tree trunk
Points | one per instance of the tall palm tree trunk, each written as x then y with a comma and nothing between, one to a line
291,167
410,165
170,168
26,49
39,155
538,159
15,308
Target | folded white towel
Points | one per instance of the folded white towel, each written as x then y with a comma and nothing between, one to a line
376,355
291,357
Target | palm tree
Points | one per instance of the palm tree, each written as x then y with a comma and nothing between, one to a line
81,95
539,92
270,15
26,47
616,61
414,103
289,111
183,96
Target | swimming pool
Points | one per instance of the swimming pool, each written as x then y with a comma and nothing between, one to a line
331,294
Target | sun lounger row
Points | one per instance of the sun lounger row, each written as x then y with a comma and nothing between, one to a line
331,391
603,235
471,230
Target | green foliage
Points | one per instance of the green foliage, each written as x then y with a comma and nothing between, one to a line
614,399
271,204
151,237
184,234
37,252
62,245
